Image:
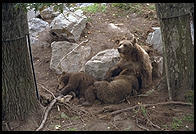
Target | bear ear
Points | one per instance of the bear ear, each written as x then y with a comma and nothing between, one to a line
117,42
134,41
63,73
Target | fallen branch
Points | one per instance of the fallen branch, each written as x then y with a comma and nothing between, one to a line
142,127
154,125
148,105
47,90
47,111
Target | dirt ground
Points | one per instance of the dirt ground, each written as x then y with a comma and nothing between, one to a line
74,117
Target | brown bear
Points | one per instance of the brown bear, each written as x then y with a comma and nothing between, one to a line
134,58
112,92
77,82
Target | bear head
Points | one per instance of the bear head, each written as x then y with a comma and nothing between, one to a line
126,47
62,80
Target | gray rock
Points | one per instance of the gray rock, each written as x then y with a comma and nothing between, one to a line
155,40
49,14
80,5
32,14
68,57
98,65
69,24
36,26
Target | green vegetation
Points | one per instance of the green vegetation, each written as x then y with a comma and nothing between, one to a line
41,6
139,8
176,123
64,116
94,8
152,7
72,129
75,118
179,123
124,6
144,112
165,127
189,118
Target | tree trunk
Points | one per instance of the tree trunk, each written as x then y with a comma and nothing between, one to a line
19,99
178,47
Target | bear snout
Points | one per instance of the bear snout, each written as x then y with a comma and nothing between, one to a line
120,48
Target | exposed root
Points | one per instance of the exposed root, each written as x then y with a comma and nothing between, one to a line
47,111
46,90
148,105
142,127
154,125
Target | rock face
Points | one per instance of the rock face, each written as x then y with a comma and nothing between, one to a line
98,65
36,26
72,56
69,24
155,40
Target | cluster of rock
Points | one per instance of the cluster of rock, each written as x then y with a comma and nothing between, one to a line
61,31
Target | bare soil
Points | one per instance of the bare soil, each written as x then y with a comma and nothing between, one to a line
74,117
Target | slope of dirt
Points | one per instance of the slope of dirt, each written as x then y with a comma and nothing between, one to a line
73,117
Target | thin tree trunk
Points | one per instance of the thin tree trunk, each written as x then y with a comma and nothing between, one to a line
19,99
178,47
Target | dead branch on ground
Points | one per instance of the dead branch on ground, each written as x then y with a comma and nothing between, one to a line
148,105
47,90
142,127
47,111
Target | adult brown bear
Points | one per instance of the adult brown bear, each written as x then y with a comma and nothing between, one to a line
133,58
132,72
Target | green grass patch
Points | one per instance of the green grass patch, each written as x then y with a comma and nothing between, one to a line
138,8
152,7
95,8
124,6
72,129
144,112
176,123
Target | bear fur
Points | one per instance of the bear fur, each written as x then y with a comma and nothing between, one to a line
133,58
112,92
131,73
77,82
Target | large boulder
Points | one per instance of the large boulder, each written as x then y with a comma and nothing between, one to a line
69,24
68,57
155,40
48,14
36,26
98,65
